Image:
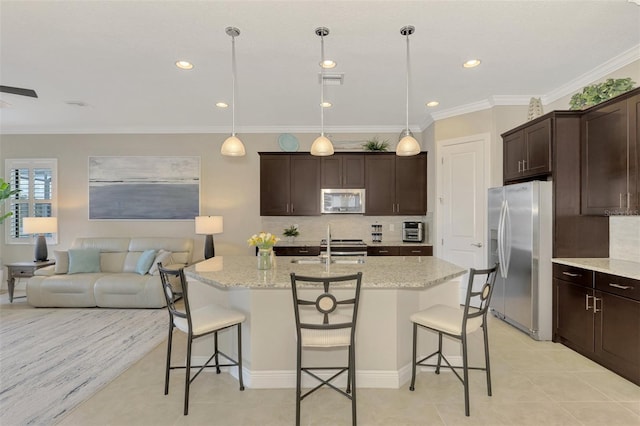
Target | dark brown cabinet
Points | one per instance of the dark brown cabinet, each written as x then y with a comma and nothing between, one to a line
342,171
609,139
399,251
297,251
289,185
598,315
396,185
527,151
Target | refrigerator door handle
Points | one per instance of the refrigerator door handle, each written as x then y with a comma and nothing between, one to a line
503,272
506,234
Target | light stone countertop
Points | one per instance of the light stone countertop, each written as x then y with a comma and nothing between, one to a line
301,243
386,272
621,268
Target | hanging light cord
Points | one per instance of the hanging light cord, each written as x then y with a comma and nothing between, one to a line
233,85
407,128
322,85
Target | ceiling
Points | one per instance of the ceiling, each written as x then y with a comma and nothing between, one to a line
108,66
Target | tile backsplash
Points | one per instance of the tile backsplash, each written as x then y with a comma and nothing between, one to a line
314,228
624,238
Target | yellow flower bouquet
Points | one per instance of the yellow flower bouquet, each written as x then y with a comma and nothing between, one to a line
263,240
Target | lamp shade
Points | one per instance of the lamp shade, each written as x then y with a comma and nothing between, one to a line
322,146
208,225
40,225
232,147
407,146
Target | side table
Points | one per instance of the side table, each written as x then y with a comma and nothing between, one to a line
22,270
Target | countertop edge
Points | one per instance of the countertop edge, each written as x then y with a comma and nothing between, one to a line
621,268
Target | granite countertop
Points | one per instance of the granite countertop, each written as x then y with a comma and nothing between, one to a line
621,268
385,272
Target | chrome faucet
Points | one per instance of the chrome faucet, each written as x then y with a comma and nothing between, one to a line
328,260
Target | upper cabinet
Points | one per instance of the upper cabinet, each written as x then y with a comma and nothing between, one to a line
342,171
610,157
396,185
289,185
527,151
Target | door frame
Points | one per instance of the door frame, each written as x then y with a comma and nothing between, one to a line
486,145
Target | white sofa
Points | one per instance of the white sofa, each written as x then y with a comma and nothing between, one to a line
117,284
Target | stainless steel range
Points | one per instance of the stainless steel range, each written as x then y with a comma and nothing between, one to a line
348,247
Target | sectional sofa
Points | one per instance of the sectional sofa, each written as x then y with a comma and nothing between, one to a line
108,273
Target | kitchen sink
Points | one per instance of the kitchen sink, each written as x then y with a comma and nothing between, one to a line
322,261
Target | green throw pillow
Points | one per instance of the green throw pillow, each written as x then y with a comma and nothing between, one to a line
84,260
145,261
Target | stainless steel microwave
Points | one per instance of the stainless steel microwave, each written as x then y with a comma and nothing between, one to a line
342,201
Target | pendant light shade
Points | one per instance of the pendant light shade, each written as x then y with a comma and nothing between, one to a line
233,146
322,146
407,145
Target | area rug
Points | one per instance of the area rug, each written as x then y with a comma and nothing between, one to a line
53,359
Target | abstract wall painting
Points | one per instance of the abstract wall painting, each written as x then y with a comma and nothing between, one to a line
144,188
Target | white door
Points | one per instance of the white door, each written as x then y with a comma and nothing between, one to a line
462,173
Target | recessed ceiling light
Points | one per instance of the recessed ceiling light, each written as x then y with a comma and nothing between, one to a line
184,65
471,63
328,64
326,104
222,104
433,103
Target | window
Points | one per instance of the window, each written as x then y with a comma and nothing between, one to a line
36,178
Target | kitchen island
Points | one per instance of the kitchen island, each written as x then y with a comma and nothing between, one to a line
392,289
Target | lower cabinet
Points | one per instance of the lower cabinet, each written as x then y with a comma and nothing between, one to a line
399,251
297,251
598,315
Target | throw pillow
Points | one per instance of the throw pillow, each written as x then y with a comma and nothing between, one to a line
164,257
84,260
144,261
62,262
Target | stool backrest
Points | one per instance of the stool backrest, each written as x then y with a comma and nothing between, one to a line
326,304
484,294
166,276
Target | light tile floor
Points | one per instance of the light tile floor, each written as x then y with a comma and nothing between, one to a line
534,383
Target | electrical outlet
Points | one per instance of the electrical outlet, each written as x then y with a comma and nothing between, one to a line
392,227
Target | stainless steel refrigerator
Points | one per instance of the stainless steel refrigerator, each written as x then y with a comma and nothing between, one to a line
520,235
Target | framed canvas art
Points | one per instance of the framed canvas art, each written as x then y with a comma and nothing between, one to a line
146,188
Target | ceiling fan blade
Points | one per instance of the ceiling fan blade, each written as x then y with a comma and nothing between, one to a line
19,91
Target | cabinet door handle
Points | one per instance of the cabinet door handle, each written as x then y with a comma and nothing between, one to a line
571,274
287,207
398,208
519,166
586,302
303,251
292,208
621,287
595,305
416,251
383,251
524,165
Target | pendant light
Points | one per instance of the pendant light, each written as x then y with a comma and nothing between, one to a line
322,146
233,146
407,145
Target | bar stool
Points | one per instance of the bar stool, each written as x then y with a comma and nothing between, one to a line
197,323
458,323
326,322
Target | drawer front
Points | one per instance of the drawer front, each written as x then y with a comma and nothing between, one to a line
382,251
573,275
22,272
415,251
297,251
621,286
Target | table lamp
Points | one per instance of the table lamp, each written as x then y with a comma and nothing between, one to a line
40,226
208,225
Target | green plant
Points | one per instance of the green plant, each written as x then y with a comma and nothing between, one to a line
291,231
6,192
374,144
600,92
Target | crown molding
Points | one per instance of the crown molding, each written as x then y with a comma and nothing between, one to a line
462,109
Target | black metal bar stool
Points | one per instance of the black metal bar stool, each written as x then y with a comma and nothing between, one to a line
326,322
197,323
458,323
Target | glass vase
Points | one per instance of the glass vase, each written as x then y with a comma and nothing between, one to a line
264,258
